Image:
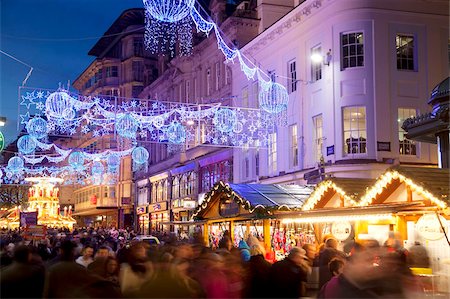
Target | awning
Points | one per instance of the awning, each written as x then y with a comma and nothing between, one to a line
94,212
347,214
183,223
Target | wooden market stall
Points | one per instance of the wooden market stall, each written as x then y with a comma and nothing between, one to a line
247,209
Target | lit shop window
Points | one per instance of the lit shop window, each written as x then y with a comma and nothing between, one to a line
355,131
406,146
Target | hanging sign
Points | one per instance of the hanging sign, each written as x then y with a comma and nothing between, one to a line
28,218
429,228
341,230
2,141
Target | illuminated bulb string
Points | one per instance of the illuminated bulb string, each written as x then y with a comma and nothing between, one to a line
161,32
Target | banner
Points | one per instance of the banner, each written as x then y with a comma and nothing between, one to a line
28,218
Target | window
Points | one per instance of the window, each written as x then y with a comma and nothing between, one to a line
406,146
138,45
316,67
176,187
136,90
208,82
255,93
245,97
180,91
293,144
272,152
111,71
292,73
318,137
246,162
273,76
188,90
217,75
257,162
138,72
404,45
98,76
195,88
355,135
352,49
227,75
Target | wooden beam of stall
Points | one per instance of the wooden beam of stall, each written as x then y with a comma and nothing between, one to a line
325,198
390,188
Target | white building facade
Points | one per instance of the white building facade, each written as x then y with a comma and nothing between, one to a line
380,61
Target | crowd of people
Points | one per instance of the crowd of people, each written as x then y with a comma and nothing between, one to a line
101,263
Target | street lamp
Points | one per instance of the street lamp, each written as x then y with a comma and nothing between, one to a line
2,121
318,58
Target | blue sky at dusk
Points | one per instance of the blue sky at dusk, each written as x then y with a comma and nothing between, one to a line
49,35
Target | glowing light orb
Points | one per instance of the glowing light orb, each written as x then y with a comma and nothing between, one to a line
168,10
69,114
140,155
15,164
58,102
26,144
113,160
37,127
225,120
97,168
76,160
274,99
127,125
176,133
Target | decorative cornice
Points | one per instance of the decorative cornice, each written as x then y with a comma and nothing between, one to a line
298,15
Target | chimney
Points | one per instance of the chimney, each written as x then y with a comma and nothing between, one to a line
270,11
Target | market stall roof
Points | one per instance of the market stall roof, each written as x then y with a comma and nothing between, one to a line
431,183
264,197
349,189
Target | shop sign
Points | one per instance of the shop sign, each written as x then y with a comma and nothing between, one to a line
341,230
330,150
189,204
228,208
33,232
126,200
160,206
28,218
141,210
2,141
429,228
383,146
93,199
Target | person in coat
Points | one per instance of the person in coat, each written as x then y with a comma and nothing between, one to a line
288,277
258,270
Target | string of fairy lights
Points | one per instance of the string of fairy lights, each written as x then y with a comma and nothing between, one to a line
61,113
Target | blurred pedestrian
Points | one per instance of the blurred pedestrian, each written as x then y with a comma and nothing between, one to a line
418,256
86,258
288,277
329,252
24,278
258,269
136,271
65,276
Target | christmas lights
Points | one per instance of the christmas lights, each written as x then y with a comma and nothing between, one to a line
26,144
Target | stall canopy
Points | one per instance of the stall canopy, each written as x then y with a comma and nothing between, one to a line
337,193
265,199
429,186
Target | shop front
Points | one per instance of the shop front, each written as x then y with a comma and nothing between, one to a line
159,217
143,220
241,210
410,203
